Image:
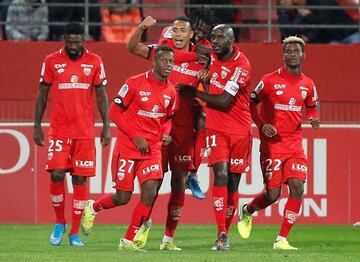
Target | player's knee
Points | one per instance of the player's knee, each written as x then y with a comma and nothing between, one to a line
78,180
148,197
221,178
57,175
296,187
272,197
121,198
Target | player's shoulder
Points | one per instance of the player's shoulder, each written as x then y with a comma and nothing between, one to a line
93,56
137,79
53,56
272,76
307,80
241,60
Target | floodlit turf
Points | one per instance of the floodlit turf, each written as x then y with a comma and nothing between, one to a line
315,243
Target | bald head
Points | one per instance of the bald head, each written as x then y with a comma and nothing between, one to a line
227,30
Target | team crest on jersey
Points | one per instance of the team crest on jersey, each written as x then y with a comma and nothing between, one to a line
87,71
166,100
303,94
50,155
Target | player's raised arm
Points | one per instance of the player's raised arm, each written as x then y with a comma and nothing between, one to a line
134,45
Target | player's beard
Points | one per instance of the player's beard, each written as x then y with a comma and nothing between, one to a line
74,55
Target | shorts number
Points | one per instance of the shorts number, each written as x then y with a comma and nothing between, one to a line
55,145
210,141
123,164
269,162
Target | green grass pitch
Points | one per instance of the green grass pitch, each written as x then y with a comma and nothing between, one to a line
315,243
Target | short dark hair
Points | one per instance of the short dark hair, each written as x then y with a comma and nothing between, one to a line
183,18
74,29
163,48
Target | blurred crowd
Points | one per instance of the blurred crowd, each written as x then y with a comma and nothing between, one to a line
27,20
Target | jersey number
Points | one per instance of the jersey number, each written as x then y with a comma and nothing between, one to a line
55,145
269,162
123,164
210,141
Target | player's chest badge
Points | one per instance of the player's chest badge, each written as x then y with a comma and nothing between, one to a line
87,71
223,74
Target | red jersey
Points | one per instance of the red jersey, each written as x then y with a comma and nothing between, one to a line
148,103
283,96
232,76
184,73
72,92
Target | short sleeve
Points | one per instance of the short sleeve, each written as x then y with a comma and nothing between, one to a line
100,76
170,108
47,75
312,97
126,94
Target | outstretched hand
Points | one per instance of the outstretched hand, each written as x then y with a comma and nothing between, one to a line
38,136
186,91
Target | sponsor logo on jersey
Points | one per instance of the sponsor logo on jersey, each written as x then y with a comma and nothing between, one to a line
150,114
185,71
84,163
144,93
299,167
149,169
86,66
57,66
215,82
287,107
279,86
102,71
279,92
183,158
123,90
304,88
74,86
60,70
236,161
144,99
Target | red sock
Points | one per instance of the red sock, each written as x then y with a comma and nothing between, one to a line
291,211
257,203
175,206
79,199
232,203
200,146
57,195
141,211
105,202
220,196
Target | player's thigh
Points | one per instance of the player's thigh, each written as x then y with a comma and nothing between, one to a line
240,153
181,150
272,170
149,169
83,158
296,166
123,173
59,153
217,146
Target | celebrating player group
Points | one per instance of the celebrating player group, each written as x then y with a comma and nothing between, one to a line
194,102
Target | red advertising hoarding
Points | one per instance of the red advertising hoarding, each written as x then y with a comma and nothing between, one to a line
331,192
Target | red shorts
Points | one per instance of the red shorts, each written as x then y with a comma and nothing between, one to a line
229,148
125,170
75,155
180,152
278,168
